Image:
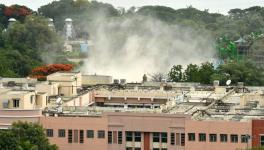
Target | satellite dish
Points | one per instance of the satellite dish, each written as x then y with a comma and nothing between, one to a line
228,82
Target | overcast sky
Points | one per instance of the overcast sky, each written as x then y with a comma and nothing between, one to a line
221,6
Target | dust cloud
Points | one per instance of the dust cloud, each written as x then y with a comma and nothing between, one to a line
127,48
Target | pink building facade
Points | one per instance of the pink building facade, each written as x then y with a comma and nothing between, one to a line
139,131
217,135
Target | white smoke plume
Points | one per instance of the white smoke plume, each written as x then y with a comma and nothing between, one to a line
127,48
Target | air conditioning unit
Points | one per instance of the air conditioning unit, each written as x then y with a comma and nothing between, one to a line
122,81
116,81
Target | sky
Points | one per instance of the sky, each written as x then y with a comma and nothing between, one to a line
220,6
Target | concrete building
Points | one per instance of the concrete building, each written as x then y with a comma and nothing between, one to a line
141,131
68,82
22,99
133,98
8,116
96,79
92,113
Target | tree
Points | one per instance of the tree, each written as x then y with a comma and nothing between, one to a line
244,71
205,72
25,136
176,74
42,72
34,33
158,77
192,73
23,45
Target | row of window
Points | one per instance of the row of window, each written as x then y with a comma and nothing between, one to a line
175,138
158,137
76,135
223,137
133,136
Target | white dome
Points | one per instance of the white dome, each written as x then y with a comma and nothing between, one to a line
68,20
12,20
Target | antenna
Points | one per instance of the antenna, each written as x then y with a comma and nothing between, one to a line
228,82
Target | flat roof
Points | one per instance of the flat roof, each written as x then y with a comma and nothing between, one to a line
64,73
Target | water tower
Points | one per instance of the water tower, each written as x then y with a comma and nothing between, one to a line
68,29
11,21
51,24
242,47
145,78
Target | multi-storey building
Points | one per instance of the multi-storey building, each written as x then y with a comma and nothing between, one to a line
144,131
138,116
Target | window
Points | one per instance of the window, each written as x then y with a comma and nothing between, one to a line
202,137
223,137
61,133
262,140
5,103
137,136
191,136
182,139
244,138
129,136
90,134
213,137
31,99
110,137
75,136
47,100
234,138
129,148
164,137
101,134
164,149
120,137
81,136
137,148
172,138
15,103
69,136
156,137
156,149
49,132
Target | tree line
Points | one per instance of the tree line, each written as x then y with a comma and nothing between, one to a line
206,73
25,43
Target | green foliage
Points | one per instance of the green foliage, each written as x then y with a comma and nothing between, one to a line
192,73
205,72
244,71
81,11
25,136
176,74
23,44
